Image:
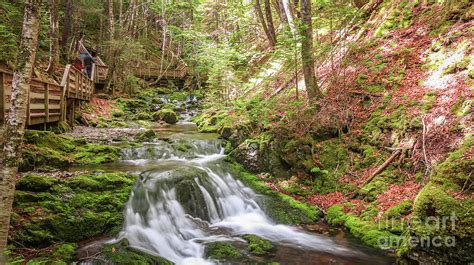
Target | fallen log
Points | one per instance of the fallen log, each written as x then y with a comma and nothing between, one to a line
379,170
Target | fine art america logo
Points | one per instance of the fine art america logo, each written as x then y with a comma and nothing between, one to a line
434,224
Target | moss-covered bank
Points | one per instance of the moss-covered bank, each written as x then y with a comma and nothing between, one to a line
50,212
46,150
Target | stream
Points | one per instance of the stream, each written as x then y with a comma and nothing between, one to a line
186,196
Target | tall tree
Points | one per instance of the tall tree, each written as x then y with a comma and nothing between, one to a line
258,9
268,15
16,118
67,24
307,58
54,37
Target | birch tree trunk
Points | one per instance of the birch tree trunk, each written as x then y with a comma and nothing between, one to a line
54,37
16,117
307,51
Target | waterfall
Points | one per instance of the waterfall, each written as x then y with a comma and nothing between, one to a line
186,200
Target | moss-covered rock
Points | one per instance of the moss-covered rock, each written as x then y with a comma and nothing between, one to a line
166,115
122,254
44,149
146,136
222,250
36,183
280,207
258,245
368,232
72,210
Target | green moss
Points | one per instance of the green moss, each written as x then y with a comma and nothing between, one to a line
457,66
258,245
122,254
36,183
92,154
280,207
166,115
429,99
46,149
144,116
74,209
368,232
372,189
146,136
400,210
222,250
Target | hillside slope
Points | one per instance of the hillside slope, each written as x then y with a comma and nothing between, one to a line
388,152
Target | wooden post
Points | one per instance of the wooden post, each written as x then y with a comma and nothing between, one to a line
46,102
28,101
2,98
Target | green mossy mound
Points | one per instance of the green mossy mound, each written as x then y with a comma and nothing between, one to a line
146,136
43,149
222,250
257,245
48,211
122,254
282,208
368,232
166,115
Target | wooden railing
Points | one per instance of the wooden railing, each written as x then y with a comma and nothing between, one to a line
77,85
45,100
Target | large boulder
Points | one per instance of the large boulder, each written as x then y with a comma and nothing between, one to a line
166,115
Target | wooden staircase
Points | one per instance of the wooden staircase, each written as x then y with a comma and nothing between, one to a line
50,102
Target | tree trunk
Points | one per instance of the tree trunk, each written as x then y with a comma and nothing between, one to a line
15,120
68,18
307,51
54,37
111,51
268,15
111,19
258,9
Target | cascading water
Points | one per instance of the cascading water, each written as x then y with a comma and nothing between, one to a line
187,197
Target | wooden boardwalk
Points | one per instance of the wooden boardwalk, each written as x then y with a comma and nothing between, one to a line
50,102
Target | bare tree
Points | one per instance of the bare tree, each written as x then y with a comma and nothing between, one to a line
16,118
54,37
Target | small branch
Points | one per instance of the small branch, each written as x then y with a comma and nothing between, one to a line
425,156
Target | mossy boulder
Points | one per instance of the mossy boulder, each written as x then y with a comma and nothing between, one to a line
146,136
222,250
188,193
166,115
46,150
36,183
122,254
71,210
257,245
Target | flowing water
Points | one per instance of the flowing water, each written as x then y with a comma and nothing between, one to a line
187,196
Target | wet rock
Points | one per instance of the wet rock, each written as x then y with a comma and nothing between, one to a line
249,156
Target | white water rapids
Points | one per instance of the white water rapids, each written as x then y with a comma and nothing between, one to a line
157,222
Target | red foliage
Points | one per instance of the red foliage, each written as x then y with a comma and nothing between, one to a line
395,194
326,200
